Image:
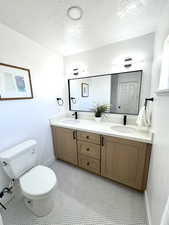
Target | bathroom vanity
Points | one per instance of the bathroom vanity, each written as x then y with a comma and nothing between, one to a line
119,153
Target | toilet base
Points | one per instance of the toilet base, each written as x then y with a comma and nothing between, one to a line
40,207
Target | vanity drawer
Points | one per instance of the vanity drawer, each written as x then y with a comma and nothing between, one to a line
88,149
89,137
89,164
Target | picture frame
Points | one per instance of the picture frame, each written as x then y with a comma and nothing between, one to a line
85,89
15,83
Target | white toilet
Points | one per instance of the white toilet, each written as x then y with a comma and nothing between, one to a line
36,182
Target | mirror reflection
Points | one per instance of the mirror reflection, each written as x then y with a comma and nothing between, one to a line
120,91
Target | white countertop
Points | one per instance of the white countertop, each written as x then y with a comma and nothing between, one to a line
104,128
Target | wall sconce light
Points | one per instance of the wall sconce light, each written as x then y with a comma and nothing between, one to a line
60,101
76,69
76,72
73,100
128,62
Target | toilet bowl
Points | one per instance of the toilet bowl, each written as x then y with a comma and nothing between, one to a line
38,188
37,182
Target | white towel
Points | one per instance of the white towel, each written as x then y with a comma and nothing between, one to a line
144,117
165,217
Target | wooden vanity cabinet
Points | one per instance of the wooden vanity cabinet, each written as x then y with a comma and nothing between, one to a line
118,159
64,141
125,161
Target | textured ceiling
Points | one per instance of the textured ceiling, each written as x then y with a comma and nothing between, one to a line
45,22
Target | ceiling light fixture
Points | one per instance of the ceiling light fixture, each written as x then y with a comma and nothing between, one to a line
75,13
129,7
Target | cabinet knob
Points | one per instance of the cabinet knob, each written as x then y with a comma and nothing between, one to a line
87,137
88,163
88,149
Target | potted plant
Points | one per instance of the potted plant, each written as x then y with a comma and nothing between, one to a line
100,109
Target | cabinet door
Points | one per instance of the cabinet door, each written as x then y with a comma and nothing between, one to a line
125,161
64,141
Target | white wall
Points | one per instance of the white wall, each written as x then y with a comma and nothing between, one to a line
158,182
24,119
105,60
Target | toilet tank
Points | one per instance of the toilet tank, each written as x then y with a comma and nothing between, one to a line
19,159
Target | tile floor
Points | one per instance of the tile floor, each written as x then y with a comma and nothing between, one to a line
83,198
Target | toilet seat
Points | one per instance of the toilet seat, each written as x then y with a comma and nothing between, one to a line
38,182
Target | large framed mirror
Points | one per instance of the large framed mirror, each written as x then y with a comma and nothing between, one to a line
121,91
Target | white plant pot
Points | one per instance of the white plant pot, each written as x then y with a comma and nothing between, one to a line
98,119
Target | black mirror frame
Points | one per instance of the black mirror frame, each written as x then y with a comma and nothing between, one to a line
101,75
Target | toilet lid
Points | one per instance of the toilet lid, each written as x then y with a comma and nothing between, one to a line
38,181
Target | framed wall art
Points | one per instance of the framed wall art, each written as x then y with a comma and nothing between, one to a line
85,90
15,83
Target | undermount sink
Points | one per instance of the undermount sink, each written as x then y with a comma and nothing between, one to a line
71,121
123,129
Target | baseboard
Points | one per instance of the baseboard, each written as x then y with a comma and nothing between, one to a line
149,220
